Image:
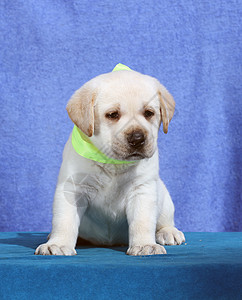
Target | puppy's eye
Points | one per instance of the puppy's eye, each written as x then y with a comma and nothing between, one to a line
113,115
148,114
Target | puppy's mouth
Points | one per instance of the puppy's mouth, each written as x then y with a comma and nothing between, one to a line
135,156
130,155
127,153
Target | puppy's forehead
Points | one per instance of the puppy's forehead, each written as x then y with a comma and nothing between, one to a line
126,88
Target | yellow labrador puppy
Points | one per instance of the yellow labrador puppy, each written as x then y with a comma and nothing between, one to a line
109,191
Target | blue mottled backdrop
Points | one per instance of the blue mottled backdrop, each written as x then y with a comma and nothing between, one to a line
48,49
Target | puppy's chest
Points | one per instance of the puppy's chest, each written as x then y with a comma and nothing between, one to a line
102,190
111,194
104,221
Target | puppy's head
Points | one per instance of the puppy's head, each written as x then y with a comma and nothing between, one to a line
121,113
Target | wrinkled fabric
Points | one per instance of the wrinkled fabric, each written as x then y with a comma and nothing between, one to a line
50,48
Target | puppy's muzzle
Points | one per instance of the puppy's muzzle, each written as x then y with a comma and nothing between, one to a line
136,139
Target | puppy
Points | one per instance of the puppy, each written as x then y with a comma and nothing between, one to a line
109,191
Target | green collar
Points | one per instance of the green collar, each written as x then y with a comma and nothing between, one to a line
84,147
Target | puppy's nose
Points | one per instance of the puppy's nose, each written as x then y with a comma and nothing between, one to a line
136,139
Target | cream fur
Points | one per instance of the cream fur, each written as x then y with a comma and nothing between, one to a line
115,204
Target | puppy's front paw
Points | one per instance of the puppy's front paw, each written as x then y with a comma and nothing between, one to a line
52,249
146,250
169,236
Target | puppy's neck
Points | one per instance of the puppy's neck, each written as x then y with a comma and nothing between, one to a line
113,170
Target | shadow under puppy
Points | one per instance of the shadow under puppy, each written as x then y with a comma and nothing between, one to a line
109,191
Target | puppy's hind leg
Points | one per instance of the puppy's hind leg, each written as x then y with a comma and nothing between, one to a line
166,232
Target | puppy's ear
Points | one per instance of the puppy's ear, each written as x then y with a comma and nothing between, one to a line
167,106
80,108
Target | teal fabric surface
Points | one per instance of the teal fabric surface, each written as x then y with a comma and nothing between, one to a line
208,266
